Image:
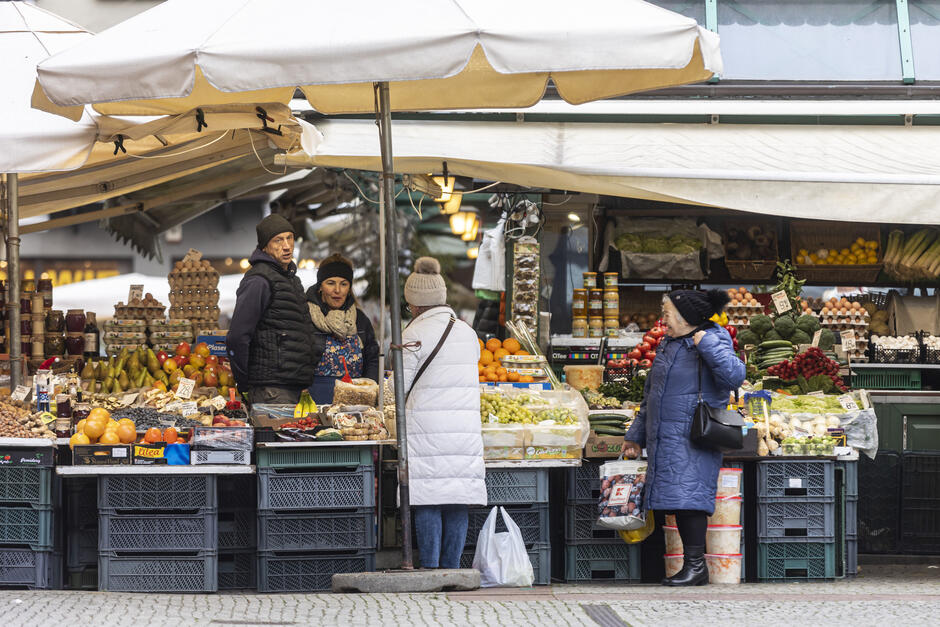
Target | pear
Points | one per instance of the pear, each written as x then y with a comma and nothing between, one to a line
117,388
124,381
88,372
139,381
133,362
153,365
107,384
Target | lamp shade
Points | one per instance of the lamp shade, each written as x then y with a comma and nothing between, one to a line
447,188
472,228
452,205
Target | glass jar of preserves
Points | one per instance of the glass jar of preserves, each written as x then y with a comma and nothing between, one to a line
26,327
75,344
579,326
595,303
579,303
45,288
611,327
595,327
26,306
26,345
612,303
75,321
81,411
55,322
611,280
590,280
54,344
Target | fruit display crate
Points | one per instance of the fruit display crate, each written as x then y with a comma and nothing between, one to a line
308,572
782,479
886,379
26,485
581,524
920,503
597,560
197,572
796,561
153,531
317,489
879,503
156,492
540,556
238,530
237,492
27,569
314,457
81,547
27,526
322,530
532,521
516,487
238,570
584,483
785,520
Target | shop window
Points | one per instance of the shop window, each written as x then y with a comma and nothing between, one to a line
925,37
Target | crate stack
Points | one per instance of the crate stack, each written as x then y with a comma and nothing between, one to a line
238,535
26,525
316,516
81,532
879,505
524,495
849,470
796,510
593,553
920,503
157,533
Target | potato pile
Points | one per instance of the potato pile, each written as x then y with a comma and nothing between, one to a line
16,422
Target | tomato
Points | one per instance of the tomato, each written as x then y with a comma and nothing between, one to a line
646,363
633,363
649,339
635,354
644,347
657,332
651,355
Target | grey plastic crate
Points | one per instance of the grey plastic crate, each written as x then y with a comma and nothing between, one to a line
238,570
597,560
311,490
81,547
584,483
153,531
26,485
238,529
851,556
26,568
156,492
237,492
782,479
308,572
84,578
796,561
849,477
332,530
511,487
540,555
581,524
851,516
329,457
783,520
27,526
158,573
532,521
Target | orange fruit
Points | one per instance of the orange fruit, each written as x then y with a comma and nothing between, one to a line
153,435
492,376
109,437
500,353
503,378
493,345
501,370
126,433
512,377
512,345
480,367
482,345
170,435
526,379
482,379
80,427
126,421
486,357
100,412
521,353
180,441
78,438
95,426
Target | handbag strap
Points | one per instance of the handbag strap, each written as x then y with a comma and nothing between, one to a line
700,375
427,362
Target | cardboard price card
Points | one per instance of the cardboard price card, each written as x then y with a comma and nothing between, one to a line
218,403
189,408
135,291
848,340
816,336
186,388
21,392
848,403
781,302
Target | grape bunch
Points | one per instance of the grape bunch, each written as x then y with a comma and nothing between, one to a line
561,415
505,409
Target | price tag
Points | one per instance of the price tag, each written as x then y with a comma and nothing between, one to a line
218,402
173,408
47,418
119,451
795,482
817,393
136,291
729,481
840,451
816,336
535,386
848,403
185,389
188,408
129,399
21,392
848,340
781,302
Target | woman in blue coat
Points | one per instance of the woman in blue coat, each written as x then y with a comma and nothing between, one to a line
682,477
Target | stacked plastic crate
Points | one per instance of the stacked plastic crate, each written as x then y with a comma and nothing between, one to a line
316,516
524,495
920,503
81,532
796,510
593,553
157,533
849,470
26,526
238,536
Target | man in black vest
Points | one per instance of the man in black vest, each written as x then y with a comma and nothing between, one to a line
269,339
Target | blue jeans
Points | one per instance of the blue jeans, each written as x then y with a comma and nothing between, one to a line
442,533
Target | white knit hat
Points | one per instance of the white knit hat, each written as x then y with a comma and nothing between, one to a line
425,286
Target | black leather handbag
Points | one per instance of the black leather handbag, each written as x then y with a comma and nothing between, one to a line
715,427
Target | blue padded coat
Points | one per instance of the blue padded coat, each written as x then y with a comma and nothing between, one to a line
680,474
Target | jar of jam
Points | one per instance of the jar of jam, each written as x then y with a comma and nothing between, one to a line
54,345
579,326
55,322
611,327
579,303
45,288
75,321
26,307
26,327
612,303
75,344
80,412
590,280
611,280
29,285
26,344
596,303
63,415
595,327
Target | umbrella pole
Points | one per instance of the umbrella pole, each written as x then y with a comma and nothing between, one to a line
13,274
394,292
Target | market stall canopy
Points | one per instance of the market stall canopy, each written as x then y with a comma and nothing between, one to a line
850,173
435,54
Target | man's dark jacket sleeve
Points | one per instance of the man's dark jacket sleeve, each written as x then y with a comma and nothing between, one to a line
251,301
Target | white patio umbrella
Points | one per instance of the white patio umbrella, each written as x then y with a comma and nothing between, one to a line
372,55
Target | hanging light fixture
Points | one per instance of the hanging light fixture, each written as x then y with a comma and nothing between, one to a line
452,205
473,228
447,186
458,222
473,253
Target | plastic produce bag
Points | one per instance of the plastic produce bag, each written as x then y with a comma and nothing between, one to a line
489,273
620,505
635,536
501,557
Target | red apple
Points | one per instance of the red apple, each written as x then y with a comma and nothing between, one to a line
210,379
162,356
183,349
170,365
212,359
181,360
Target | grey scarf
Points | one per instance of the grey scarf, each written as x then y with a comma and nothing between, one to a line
340,323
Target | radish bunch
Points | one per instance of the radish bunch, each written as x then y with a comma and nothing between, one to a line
808,364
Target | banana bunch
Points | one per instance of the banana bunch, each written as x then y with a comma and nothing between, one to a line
305,406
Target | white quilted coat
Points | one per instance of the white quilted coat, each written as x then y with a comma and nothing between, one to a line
445,447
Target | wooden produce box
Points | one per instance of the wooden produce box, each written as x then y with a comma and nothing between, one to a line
603,446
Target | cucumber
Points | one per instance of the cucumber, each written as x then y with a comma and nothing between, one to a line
602,417
606,430
774,344
608,423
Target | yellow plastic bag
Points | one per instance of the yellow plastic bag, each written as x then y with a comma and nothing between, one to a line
638,535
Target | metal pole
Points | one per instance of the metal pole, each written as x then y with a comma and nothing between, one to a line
382,314
13,274
394,292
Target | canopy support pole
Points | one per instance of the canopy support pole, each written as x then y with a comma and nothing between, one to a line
13,274
384,115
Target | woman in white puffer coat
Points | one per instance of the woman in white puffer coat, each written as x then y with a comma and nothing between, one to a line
445,446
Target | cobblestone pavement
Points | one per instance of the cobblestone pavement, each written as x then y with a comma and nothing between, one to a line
906,596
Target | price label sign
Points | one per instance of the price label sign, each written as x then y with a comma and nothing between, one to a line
136,291
189,408
816,336
21,392
218,402
172,408
492,419
848,340
817,393
186,387
848,403
781,302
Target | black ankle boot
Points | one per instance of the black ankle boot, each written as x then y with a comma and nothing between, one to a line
694,571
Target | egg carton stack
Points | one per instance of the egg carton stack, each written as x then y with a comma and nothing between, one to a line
840,315
121,333
742,306
194,291
167,334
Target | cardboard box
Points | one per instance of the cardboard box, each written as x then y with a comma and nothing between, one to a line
101,454
604,446
552,452
149,454
27,456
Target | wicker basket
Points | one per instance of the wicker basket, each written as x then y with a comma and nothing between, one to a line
754,269
813,234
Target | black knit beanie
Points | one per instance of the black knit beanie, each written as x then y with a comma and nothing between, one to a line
272,226
332,269
696,306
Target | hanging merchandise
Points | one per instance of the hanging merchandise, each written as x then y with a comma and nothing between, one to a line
489,273
525,282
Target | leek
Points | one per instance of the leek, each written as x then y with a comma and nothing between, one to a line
923,240
894,246
928,258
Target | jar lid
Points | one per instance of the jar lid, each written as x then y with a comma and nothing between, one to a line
76,311
590,273
580,317
580,289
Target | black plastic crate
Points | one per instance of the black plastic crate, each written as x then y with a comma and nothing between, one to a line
332,530
581,524
83,578
320,489
197,572
796,561
26,485
602,561
881,355
784,479
308,572
27,526
27,569
851,516
238,529
540,556
237,492
879,503
153,531
851,556
584,483
516,487
920,503
532,521
156,492
238,570
781,520
81,547
81,502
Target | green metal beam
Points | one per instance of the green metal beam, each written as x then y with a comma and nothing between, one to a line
904,37
711,23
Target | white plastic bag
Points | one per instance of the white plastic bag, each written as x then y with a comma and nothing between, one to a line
501,557
620,505
489,273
